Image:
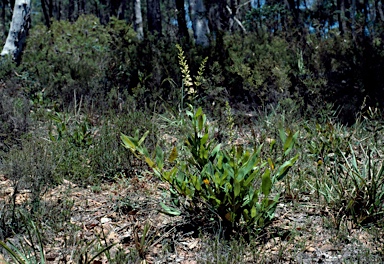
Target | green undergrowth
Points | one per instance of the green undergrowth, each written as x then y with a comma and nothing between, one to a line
213,176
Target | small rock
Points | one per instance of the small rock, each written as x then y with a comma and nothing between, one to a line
105,220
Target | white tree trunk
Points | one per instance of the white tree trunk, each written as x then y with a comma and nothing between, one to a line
199,22
139,20
18,31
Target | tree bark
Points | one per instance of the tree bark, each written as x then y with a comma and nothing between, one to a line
3,15
154,16
342,17
45,13
199,22
353,18
138,20
181,21
380,10
71,10
121,10
21,22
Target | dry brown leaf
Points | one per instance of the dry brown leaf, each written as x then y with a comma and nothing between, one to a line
310,249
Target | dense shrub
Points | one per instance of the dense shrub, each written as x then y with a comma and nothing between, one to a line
72,58
263,66
14,116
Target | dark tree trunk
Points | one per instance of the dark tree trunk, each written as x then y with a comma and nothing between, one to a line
154,16
45,13
353,19
379,8
181,21
71,10
341,16
121,11
50,8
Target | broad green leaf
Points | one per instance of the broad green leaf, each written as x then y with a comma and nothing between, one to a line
199,112
229,170
271,165
288,144
215,151
223,178
200,123
189,113
266,183
173,155
150,162
159,157
196,182
244,170
204,139
283,170
167,175
143,138
239,152
18,256
127,143
272,144
282,134
250,178
253,212
169,210
236,189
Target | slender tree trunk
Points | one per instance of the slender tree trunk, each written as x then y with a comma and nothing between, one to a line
21,22
50,8
341,17
3,15
380,10
58,8
353,19
154,16
181,21
45,13
71,10
199,22
80,10
138,20
121,11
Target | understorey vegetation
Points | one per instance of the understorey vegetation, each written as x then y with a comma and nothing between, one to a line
260,148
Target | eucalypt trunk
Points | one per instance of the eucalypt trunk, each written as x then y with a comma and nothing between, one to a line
235,183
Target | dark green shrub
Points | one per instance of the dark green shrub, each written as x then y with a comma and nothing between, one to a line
72,59
14,117
261,66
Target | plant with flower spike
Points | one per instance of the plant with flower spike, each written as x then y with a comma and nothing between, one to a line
234,183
